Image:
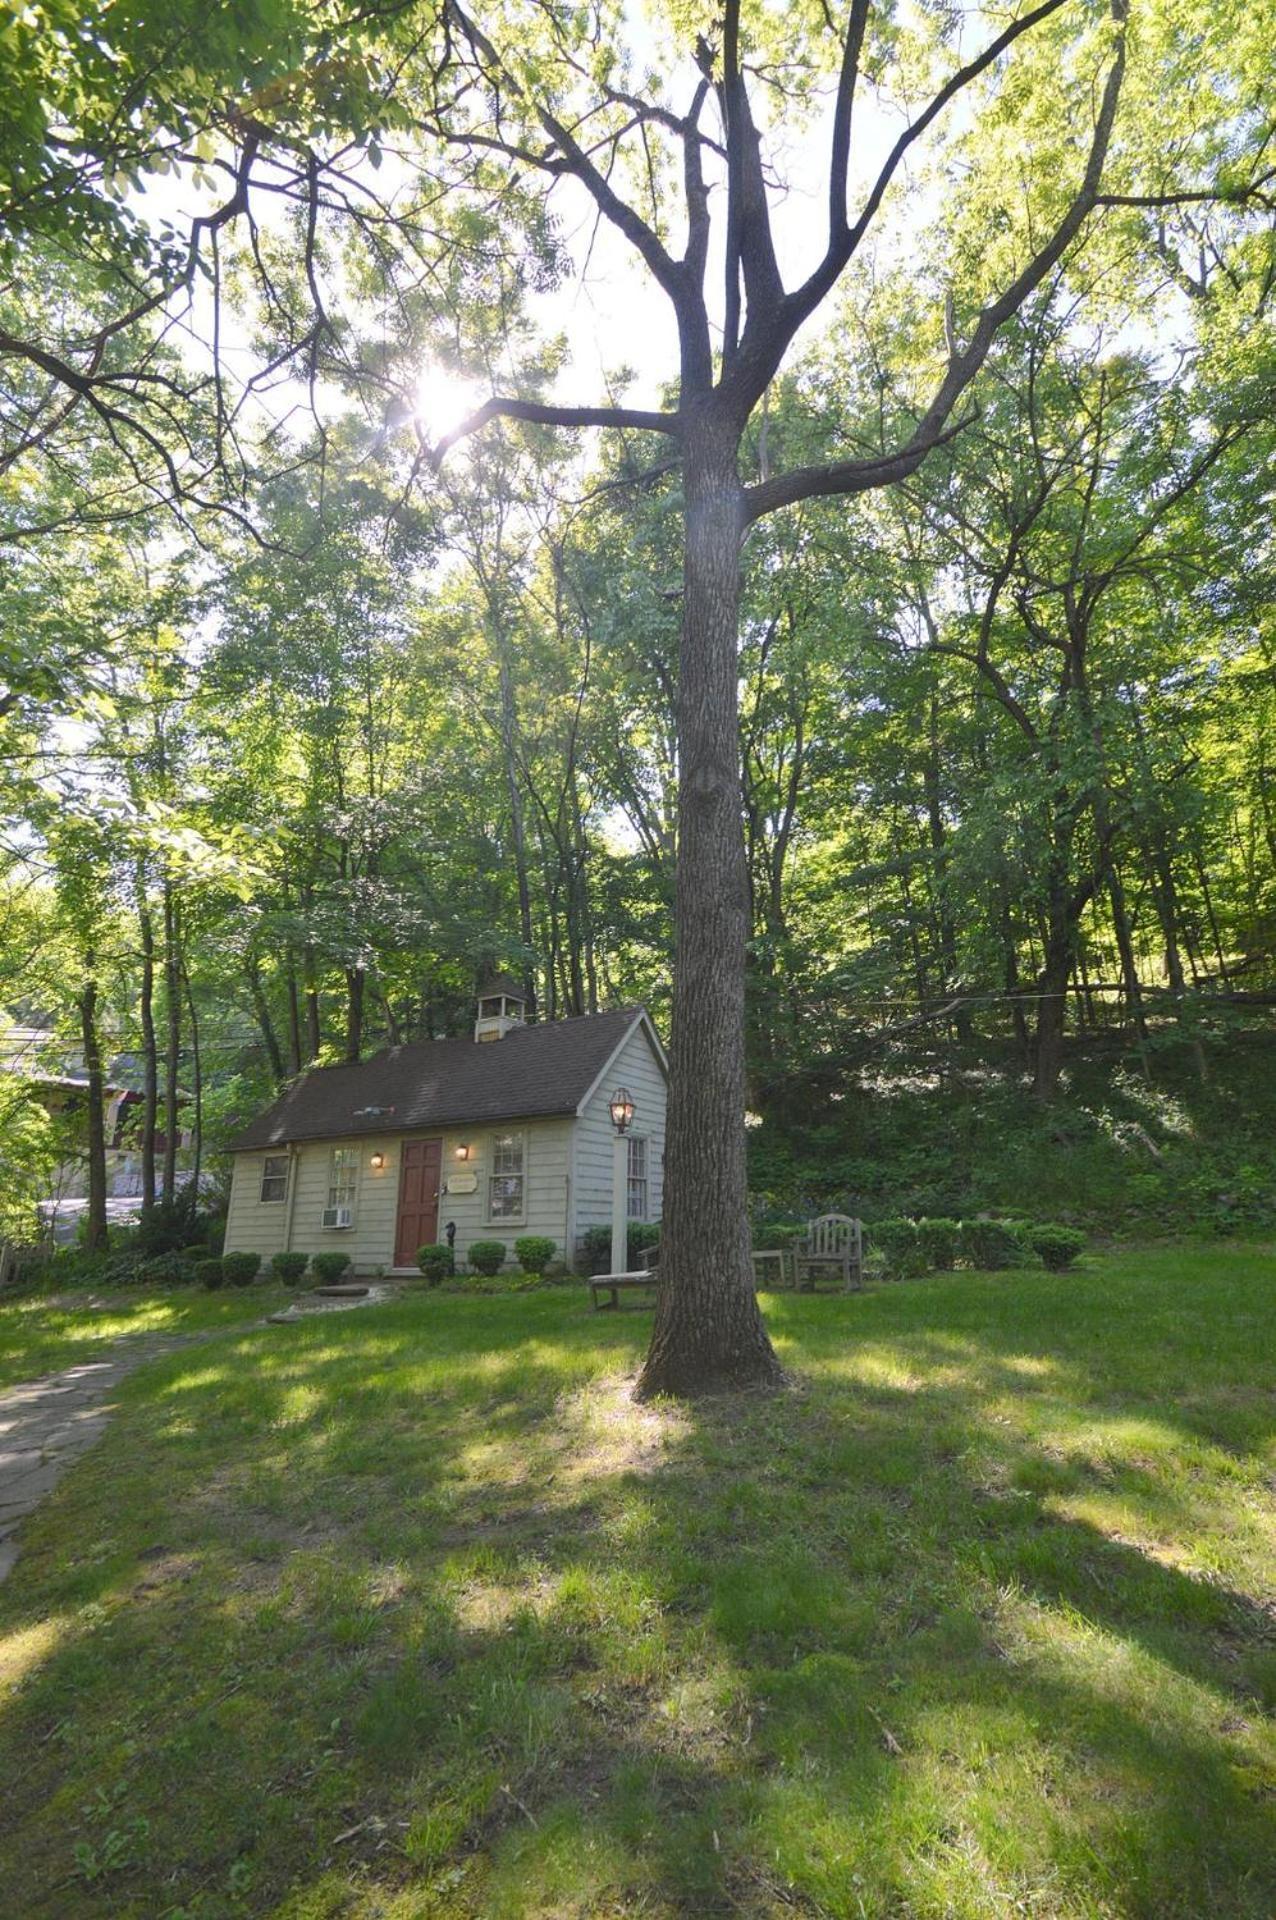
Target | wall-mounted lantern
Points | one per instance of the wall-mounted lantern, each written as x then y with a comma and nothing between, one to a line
463,1152
377,1161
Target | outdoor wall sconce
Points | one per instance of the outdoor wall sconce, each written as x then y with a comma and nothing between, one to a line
621,1105
462,1153
377,1162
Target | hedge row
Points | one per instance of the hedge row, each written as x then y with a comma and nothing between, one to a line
906,1248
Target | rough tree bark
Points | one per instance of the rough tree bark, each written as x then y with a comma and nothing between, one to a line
708,1330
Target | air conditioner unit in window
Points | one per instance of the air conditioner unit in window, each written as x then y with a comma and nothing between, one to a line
338,1217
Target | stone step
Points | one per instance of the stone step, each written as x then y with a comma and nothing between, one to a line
342,1290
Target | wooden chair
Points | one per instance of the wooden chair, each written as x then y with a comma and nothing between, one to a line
833,1244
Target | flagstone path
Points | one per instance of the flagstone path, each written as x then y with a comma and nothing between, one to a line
45,1425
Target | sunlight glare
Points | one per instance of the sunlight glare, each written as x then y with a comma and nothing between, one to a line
443,399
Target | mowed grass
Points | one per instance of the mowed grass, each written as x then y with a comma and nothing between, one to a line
412,1613
42,1334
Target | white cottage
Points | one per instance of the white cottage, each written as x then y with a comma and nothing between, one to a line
504,1134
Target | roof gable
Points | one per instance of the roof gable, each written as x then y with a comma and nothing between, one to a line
534,1072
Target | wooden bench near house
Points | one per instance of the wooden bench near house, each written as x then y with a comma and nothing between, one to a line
617,1283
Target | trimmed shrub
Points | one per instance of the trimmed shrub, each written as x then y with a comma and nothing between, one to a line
1056,1247
169,1226
992,1245
534,1252
241,1269
210,1274
330,1265
435,1261
288,1267
938,1241
897,1246
595,1246
487,1256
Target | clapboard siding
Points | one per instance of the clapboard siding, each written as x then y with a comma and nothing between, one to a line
370,1241
637,1068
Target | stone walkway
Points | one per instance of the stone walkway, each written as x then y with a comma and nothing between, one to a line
47,1424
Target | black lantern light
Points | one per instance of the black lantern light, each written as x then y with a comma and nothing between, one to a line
622,1108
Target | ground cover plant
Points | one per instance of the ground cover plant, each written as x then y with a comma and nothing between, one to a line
411,1612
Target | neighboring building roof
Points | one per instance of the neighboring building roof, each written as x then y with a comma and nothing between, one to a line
533,1072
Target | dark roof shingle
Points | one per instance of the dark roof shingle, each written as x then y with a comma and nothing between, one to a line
534,1071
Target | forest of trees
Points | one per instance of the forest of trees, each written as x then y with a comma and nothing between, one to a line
303,722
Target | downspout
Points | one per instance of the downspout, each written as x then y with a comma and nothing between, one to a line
294,1164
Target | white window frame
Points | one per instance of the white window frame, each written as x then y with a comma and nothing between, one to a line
519,1218
267,1160
638,1180
343,1179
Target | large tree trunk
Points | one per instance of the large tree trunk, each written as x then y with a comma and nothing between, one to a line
708,1329
95,1216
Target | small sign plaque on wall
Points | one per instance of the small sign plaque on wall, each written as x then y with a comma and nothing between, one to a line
462,1182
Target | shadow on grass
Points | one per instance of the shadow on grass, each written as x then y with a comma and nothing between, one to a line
418,1607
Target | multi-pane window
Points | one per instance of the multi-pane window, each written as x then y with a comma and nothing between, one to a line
505,1192
274,1177
637,1177
343,1170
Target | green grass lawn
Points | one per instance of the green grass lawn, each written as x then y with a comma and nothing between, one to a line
411,1613
40,1335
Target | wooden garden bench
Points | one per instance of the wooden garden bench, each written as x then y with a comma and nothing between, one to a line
617,1283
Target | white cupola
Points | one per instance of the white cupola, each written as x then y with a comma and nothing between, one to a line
502,1005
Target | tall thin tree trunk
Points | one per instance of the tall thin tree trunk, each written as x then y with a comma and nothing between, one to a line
197,1089
95,1232
708,1328
261,1008
356,983
173,1041
294,1013
150,1051
518,830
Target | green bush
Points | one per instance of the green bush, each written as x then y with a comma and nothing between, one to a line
241,1269
487,1256
992,1245
534,1252
595,1246
288,1267
209,1274
1056,1247
938,1241
330,1266
435,1261
164,1270
897,1245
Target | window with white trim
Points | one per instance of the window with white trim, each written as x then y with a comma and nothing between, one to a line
637,1177
506,1184
274,1178
343,1173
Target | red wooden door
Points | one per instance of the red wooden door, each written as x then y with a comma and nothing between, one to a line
422,1162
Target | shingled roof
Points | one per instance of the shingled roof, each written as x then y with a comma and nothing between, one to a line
533,1072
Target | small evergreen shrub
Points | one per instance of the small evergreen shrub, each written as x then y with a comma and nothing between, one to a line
169,1226
992,1245
938,1241
288,1267
487,1256
435,1261
533,1252
241,1269
210,1274
330,1266
898,1247
1056,1247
